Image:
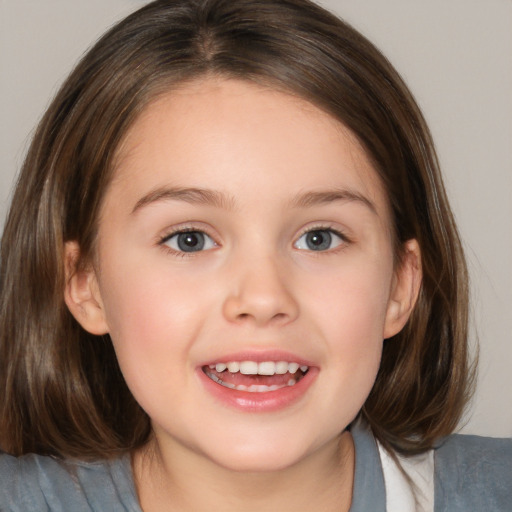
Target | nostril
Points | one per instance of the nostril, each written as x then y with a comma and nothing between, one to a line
276,317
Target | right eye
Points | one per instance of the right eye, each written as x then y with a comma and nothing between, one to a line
189,241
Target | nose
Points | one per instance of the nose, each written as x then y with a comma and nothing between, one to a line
259,294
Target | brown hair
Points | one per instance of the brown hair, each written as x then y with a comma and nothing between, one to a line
61,390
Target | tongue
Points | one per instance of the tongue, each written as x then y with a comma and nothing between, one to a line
238,378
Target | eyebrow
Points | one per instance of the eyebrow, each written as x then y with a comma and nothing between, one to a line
190,195
194,195
310,199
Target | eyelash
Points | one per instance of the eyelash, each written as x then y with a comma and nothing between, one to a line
345,240
162,241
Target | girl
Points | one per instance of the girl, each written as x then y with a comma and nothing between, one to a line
231,280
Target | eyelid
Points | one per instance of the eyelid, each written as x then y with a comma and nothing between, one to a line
184,227
345,239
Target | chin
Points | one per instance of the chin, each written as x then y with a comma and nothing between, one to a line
260,457
256,463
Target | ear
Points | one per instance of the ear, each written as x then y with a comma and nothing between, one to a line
81,293
405,289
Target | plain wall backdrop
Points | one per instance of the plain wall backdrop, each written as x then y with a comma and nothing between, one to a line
456,56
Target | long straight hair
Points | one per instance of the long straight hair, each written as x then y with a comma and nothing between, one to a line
61,389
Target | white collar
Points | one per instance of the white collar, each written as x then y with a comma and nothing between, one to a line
401,496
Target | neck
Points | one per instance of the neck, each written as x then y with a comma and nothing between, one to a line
323,479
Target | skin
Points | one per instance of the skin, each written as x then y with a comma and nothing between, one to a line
256,286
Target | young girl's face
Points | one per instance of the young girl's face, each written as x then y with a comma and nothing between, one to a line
245,228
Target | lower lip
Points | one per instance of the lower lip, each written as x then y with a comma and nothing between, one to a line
269,401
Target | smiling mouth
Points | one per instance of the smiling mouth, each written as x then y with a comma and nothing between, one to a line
256,377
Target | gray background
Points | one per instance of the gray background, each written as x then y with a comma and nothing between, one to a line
456,55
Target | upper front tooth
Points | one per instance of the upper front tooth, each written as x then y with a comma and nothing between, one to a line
234,366
281,367
249,367
267,368
220,367
293,367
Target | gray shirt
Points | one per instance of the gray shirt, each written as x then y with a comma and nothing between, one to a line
471,474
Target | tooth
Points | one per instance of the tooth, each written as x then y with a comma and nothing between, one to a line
292,382
211,366
233,366
241,387
215,378
304,369
219,381
249,368
281,367
220,367
293,367
267,368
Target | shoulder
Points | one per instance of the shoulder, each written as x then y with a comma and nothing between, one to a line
38,483
473,473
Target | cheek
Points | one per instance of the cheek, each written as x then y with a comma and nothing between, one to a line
153,319
352,302
349,312
148,299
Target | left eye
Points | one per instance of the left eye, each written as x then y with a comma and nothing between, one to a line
319,240
189,241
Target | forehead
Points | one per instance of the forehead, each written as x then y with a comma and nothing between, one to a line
218,132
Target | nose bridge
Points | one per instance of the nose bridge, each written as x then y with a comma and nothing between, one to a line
259,290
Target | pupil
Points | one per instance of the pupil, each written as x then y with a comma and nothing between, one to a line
318,240
191,241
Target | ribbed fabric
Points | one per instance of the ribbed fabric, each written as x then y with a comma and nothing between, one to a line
34,483
473,474
369,493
